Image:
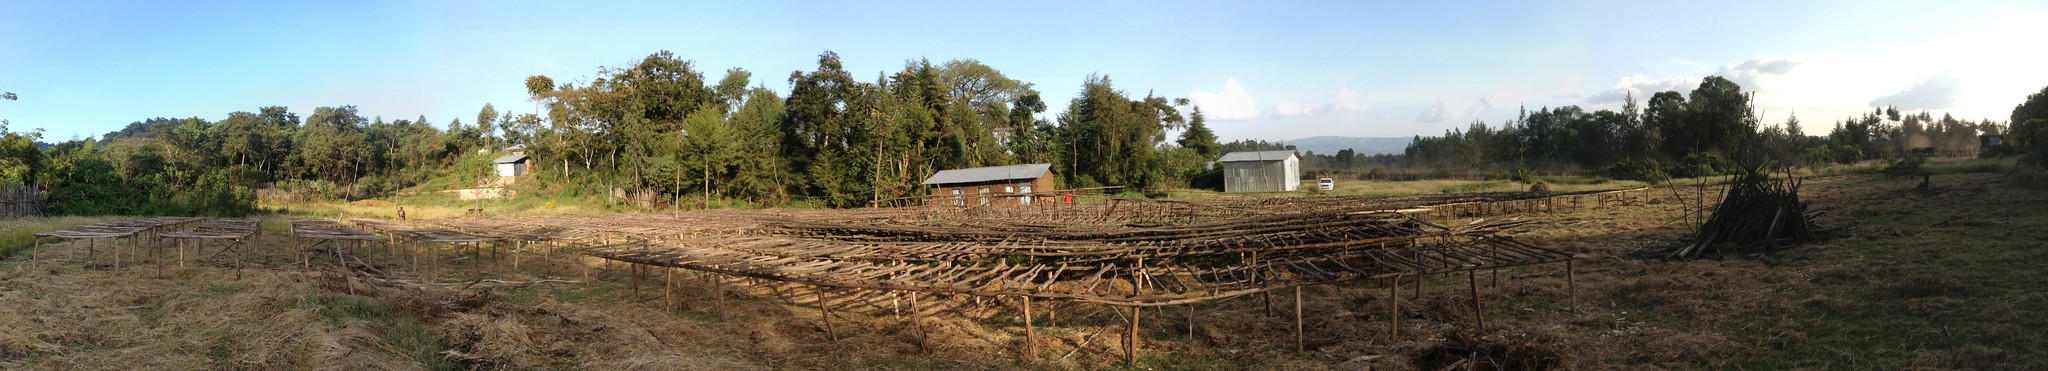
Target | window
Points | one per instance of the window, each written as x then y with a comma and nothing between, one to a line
1026,200
958,199
984,197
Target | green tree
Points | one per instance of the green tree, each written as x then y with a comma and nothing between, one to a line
1199,138
1113,138
813,129
20,159
487,122
2030,126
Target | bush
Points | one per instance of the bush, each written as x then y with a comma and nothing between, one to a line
1701,164
1641,169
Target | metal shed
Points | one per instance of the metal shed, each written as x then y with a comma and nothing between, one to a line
511,165
990,185
1261,171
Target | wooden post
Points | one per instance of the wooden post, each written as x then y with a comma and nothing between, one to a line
1191,321
1266,296
1052,314
1472,281
33,251
668,289
917,322
1300,340
157,255
1131,340
720,292
1029,340
1418,286
1394,308
827,311
1495,281
1571,286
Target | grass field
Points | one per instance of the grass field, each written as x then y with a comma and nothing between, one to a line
17,234
1941,278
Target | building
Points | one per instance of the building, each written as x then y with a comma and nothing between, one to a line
1261,171
512,165
990,185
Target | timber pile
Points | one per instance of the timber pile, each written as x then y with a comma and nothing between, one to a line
1757,214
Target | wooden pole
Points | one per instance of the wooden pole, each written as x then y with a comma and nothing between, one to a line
827,314
1472,281
1300,340
1267,296
1191,321
668,289
1571,286
33,251
917,322
720,292
1418,286
1052,314
1131,340
1394,308
157,255
1029,339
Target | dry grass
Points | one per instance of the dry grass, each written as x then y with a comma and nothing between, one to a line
16,234
1912,270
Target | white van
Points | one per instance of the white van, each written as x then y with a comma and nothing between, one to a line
1326,184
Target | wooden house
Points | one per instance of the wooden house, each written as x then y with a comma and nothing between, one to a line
982,186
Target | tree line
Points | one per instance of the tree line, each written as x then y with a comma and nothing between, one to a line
659,127
1714,129
656,127
841,141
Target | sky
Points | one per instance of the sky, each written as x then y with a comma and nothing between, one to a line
1258,70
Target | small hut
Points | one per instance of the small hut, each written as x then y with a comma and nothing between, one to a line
983,186
1261,171
511,166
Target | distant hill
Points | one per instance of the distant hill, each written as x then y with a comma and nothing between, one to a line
1324,145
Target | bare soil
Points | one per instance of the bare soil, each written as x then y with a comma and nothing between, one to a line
1944,278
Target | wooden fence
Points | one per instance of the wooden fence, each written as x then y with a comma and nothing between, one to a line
20,201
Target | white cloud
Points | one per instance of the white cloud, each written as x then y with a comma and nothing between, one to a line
1344,100
1447,108
1642,87
1750,73
1570,87
1232,104
1934,93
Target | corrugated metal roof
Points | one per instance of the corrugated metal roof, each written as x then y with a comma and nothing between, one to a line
510,159
988,174
1255,156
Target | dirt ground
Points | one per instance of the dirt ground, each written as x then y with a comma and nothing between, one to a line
1946,278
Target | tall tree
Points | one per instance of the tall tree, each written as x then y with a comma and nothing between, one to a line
2030,126
487,121
1198,137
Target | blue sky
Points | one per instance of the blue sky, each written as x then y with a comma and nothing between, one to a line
1265,70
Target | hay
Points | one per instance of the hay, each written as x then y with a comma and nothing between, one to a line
1460,351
